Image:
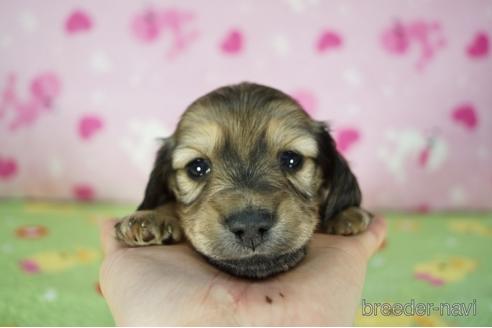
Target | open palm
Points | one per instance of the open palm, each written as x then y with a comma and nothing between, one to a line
173,285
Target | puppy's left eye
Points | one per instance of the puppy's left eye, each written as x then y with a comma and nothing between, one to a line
290,160
197,168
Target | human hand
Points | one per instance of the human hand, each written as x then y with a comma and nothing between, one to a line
173,285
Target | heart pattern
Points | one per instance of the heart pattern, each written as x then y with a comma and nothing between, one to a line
233,42
346,138
8,168
466,116
78,21
306,99
328,40
89,125
83,192
479,46
146,27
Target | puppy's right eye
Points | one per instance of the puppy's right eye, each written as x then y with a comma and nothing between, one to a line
198,168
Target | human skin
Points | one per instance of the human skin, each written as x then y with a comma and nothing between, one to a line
173,285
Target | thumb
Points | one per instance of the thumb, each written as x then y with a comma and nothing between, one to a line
108,240
373,237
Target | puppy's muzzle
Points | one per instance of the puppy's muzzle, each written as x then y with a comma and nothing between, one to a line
250,227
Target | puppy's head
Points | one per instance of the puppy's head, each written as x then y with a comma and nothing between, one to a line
251,173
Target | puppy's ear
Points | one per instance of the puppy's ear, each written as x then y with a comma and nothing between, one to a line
340,188
158,191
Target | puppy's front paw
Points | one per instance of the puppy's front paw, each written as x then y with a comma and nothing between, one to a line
144,228
351,221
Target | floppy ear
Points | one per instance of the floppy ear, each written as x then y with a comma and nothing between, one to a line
339,183
157,191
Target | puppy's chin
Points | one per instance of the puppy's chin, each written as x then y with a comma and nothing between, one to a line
260,266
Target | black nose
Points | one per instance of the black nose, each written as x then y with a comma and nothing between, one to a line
250,226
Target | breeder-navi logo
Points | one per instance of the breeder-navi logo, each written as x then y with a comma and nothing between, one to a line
420,309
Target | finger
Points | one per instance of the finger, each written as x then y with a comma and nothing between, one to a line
108,240
373,237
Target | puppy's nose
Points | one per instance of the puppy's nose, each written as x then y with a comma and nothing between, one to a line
250,226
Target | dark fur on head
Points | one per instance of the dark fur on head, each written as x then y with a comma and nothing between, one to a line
338,178
157,191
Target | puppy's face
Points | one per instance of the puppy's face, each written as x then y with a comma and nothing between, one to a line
251,175
246,177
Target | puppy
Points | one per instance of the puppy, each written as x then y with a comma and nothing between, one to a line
246,178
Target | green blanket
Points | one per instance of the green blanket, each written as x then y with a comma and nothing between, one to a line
50,255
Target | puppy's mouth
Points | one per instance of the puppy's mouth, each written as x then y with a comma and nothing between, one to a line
260,266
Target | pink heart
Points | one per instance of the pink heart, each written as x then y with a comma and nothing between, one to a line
479,47
83,192
429,278
465,115
423,208
89,125
395,39
146,27
78,21
345,138
306,99
328,40
29,266
233,42
45,87
8,168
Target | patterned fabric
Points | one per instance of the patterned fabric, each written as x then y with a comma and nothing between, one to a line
50,256
86,87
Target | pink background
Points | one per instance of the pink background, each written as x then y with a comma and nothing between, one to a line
86,87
